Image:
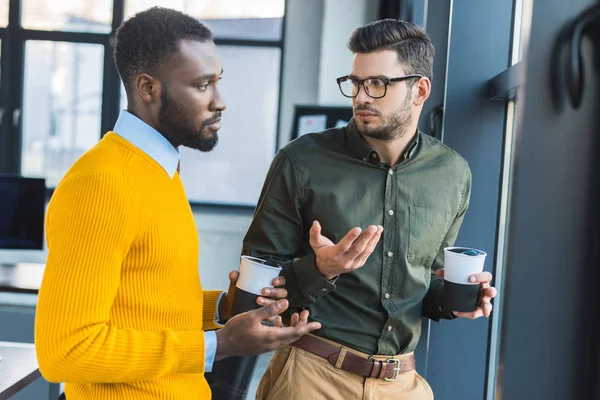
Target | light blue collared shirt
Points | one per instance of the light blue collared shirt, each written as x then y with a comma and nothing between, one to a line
151,142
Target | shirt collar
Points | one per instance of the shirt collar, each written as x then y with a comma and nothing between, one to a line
360,149
148,140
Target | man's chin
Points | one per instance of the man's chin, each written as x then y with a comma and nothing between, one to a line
204,143
374,132
368,128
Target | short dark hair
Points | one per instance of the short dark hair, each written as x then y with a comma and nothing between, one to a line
147,40
410,41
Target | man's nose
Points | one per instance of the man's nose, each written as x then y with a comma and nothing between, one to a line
218,104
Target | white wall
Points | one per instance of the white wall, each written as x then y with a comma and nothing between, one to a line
221,233
301,60
341,18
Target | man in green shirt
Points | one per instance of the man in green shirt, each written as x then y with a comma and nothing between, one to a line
408,191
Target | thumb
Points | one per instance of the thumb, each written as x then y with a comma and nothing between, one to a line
315,234
270,311
439,273
233,277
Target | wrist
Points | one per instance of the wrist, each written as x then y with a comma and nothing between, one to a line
319,264
223,345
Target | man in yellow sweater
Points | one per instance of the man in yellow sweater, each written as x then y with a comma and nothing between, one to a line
121,311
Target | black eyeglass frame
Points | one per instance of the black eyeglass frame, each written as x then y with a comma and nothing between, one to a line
361,83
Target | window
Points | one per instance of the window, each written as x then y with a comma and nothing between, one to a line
64,93
517,39
68,15
214,9
247,138
520,34
228,19
61,106
3,13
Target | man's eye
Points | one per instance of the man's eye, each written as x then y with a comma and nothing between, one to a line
203,86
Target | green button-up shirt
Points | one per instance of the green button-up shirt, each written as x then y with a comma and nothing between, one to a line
336,178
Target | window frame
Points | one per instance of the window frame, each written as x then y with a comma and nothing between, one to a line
504,87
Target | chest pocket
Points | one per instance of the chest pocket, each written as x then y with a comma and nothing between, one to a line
427,231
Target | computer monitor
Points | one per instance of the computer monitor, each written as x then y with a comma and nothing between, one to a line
22,209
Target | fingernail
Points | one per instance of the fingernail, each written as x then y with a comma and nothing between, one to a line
280,304
261,301
266,292
473,279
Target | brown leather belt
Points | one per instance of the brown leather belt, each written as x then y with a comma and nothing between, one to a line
369,367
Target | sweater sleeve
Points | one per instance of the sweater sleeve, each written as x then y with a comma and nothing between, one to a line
209,312
91,224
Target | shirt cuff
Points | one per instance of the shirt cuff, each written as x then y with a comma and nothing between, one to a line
210,349
217,317
432,303
310,281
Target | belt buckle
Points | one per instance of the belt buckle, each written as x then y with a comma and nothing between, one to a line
396,363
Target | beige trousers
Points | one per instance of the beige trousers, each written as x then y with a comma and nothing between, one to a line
295,374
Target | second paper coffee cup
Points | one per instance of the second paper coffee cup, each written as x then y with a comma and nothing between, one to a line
255,275
459,264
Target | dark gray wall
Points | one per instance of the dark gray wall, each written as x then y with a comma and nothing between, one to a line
419,12
550,319
474,127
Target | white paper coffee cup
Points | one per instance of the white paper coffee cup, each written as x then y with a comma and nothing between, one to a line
460,263
255,275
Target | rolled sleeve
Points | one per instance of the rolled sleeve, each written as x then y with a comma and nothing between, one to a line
210,309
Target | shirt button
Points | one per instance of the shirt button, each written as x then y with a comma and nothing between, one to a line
373,155
391,172
364,159
391,212
389,328
387,296
390,254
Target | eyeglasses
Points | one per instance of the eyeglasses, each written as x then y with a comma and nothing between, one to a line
376,88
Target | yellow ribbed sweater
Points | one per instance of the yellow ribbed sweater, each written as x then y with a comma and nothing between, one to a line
121,311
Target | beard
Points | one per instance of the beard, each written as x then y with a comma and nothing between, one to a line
179,128
393,126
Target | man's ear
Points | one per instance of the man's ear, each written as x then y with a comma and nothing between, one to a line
423,90
147,88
